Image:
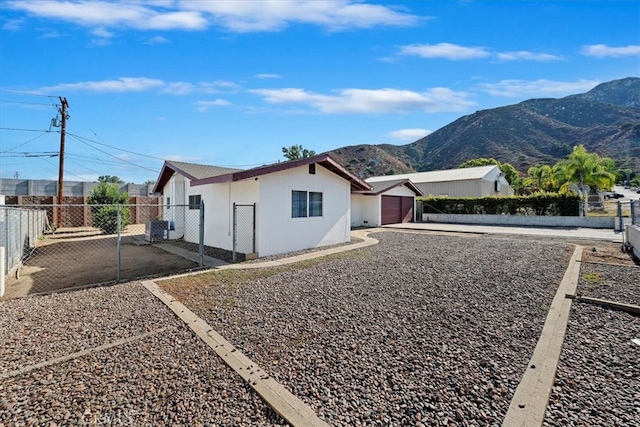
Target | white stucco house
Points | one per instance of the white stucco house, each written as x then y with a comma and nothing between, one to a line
466,182
388,201
298,204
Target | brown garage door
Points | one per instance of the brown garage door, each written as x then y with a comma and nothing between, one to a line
396,209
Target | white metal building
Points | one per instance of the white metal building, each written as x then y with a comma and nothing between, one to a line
466,182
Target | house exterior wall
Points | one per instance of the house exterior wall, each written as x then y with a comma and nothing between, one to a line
365,210
278,232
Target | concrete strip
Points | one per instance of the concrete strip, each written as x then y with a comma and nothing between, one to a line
77,354
283,402
191,256
567,233
529,403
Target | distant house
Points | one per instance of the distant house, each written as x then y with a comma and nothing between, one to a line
466,182
389,201
272,209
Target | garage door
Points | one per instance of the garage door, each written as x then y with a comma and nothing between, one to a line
396,209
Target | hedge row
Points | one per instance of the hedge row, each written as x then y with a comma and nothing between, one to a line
549,204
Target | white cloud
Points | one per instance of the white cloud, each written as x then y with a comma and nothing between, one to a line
141,84
13,24
203,106
409,134
179,88
102,33
102,13
123,84
235,16
157,40
604,51
536,88
370,100
523,55
273,15
268,76
450,51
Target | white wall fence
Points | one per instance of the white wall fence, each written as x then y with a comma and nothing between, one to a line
632,238
523,220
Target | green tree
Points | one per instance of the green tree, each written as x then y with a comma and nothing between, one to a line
540,178
296,152
510,173
105,198
111,179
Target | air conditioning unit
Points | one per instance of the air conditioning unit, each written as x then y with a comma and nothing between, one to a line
156,231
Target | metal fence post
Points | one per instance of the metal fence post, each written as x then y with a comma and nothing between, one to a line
118,243
233,253
254,228
201,236
632,207
620,215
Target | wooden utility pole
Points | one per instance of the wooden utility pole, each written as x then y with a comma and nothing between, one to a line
63,113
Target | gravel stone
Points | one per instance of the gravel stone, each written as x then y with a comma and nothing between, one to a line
419,329
598,378
168,378
620,283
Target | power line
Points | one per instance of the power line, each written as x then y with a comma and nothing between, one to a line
26,142
27,130
23,102
26,93
112,147
80,139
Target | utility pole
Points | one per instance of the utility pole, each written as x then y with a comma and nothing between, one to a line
63,114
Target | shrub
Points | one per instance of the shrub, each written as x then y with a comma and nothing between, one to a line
106,197
550,204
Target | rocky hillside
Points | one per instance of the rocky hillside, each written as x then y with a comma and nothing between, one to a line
606,120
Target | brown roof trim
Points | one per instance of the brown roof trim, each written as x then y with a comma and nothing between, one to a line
323,160
406,182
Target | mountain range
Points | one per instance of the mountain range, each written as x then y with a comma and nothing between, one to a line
606,120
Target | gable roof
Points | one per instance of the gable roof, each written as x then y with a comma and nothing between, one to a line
204,174
439,176
379,187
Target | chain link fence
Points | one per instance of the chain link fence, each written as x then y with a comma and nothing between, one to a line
57,247
628,213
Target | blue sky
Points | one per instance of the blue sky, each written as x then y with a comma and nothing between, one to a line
230,83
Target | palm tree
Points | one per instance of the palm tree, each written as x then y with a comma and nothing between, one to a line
585,171
539,178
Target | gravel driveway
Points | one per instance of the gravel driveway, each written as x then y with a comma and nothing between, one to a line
417,330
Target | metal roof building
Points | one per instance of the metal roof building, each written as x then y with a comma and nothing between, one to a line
467,182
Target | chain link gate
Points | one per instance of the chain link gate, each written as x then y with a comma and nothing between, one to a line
95,244
244,231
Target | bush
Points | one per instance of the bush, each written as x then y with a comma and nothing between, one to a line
106,197
550,204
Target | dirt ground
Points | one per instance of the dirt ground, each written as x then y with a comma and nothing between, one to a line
607,252
65,261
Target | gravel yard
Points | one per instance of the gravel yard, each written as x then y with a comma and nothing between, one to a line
417,330
598,377
167,377
620,283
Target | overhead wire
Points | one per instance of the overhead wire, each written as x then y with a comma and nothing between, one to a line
80,139
26,142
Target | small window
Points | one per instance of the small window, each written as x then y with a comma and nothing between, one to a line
168,202
298,204
315,203
306,204
194,202
312,169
